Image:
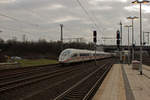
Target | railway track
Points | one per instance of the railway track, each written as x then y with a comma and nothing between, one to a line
48,83
83,89
17,79
13,71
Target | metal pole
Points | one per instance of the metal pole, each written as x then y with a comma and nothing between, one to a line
148,38
143,38
61,38
104,41
121,41
132,40
121,32
141,44
128,47
95,53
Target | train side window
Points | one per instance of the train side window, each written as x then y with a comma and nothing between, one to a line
81,54
74,55
96,54
84,54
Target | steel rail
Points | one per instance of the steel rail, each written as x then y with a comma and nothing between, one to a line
99,81
9,72
78,83
17,83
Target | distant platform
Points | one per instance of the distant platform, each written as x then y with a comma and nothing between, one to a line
9,65
124,83
114,47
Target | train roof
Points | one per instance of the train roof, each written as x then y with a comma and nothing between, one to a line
83,51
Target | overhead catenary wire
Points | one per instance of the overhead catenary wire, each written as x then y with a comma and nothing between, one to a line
96,19
18,20
100,27
33,12
36,25
89,16
87,13
16,30
4,29
67,29
25,22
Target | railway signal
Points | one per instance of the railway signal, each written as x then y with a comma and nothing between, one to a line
95,40
94,36
118,39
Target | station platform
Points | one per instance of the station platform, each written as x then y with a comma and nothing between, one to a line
124,83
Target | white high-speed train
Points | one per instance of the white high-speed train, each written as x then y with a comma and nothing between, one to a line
77,55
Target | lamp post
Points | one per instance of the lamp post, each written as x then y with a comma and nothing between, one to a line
144,38
121,42
128,26
141,44
132,18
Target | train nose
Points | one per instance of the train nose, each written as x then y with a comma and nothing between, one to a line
61,59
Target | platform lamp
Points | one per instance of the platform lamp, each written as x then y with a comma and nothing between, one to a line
141,44
128,26
132,18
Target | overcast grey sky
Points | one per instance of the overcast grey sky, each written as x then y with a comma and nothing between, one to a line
42,18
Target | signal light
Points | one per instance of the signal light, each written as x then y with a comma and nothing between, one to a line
118,38
118,34
94,36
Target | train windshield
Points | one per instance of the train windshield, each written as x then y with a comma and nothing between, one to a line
66,53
